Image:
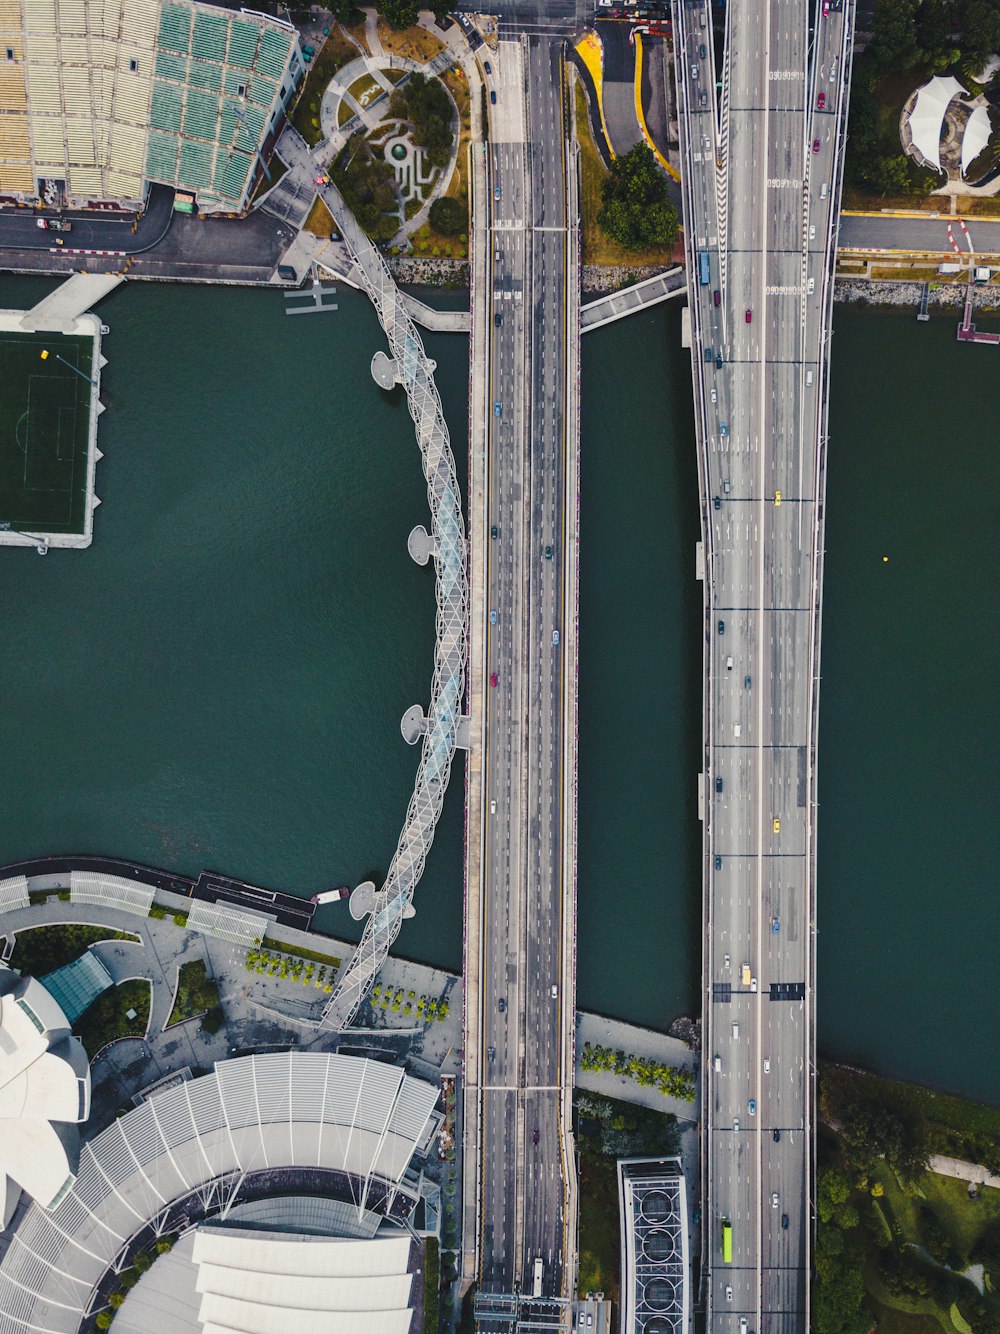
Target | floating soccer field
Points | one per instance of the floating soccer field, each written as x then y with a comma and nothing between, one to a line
45,414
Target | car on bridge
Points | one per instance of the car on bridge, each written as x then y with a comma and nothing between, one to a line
722,627
718,862
723,429
815,145
497,409
776,825
493,616
749,315
548,553
496,193
502,1004
752,1106
784,1222
821,101
493,678
494,531
775,926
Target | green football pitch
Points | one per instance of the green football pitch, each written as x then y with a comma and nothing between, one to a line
44,430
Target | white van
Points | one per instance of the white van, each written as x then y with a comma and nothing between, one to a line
822,190
809,377
717,1062
736,1029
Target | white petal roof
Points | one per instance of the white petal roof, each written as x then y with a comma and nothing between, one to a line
44,1089
927,116
977,136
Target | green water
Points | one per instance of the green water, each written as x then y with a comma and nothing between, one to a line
909,914
218,680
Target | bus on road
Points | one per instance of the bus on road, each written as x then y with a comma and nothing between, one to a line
536,1290
727,1241
704,268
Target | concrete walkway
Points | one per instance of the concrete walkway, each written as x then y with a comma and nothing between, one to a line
643,1042
957,1167
60,310
616,305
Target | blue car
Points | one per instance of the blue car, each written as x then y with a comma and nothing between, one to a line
493,616
723,429
497,409
752,1107
775,926
496,193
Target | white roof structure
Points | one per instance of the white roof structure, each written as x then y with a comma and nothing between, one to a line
927,116
269,1283
44,1092
976,137
304,1110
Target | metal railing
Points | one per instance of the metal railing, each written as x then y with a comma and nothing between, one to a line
416,373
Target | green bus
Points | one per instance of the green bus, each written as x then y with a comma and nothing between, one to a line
727,1241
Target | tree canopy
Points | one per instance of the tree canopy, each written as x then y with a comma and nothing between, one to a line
448,216
636,211
425,104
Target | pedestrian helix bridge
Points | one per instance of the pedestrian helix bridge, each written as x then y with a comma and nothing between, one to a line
415,371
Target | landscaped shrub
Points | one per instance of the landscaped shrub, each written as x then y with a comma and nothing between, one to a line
42,949
156,912
213,1019
103,1320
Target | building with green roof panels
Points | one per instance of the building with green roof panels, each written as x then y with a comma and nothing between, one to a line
102,97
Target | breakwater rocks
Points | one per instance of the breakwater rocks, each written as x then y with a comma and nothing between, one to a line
597,279
418,272
863,291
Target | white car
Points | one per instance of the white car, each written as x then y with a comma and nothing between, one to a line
767,1065
715,395
774,1200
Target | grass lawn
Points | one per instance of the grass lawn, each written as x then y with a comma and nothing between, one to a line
415,43
43,949
917,273
963,1219
44,430
366,90
599,1230
320,220
978,206
334,54
108,1019
598,248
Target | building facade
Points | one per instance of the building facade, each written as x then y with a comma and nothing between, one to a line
99,98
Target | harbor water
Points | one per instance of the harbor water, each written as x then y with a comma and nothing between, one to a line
218,681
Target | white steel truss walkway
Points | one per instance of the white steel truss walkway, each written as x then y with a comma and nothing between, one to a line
416,374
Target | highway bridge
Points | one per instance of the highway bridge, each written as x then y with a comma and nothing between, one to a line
519,1208
761,172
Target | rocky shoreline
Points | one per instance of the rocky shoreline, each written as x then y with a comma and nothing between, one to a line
597,279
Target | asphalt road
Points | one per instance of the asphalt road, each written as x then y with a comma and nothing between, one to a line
91,229
522,1203
864,232
764,220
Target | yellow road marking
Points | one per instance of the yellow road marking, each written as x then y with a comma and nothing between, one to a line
640,116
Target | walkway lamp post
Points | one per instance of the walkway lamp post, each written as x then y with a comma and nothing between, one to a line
82,374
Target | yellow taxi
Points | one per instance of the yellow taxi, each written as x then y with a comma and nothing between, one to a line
777,497
776,825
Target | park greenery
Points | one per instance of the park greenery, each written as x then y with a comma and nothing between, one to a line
128,1278
912,40
367,183
449,216
893,1239
635,210
426,106
672,1081
107,1018
424,1008
197,994
42,949
432,1283
607,1130
296,967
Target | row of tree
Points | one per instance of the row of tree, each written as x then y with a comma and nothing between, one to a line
398,13
936,34
671,1080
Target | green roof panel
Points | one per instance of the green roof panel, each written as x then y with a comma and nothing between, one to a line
175,28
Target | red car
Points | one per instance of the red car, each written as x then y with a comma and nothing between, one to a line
749,316
821,101
493,678
826,8
815,145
